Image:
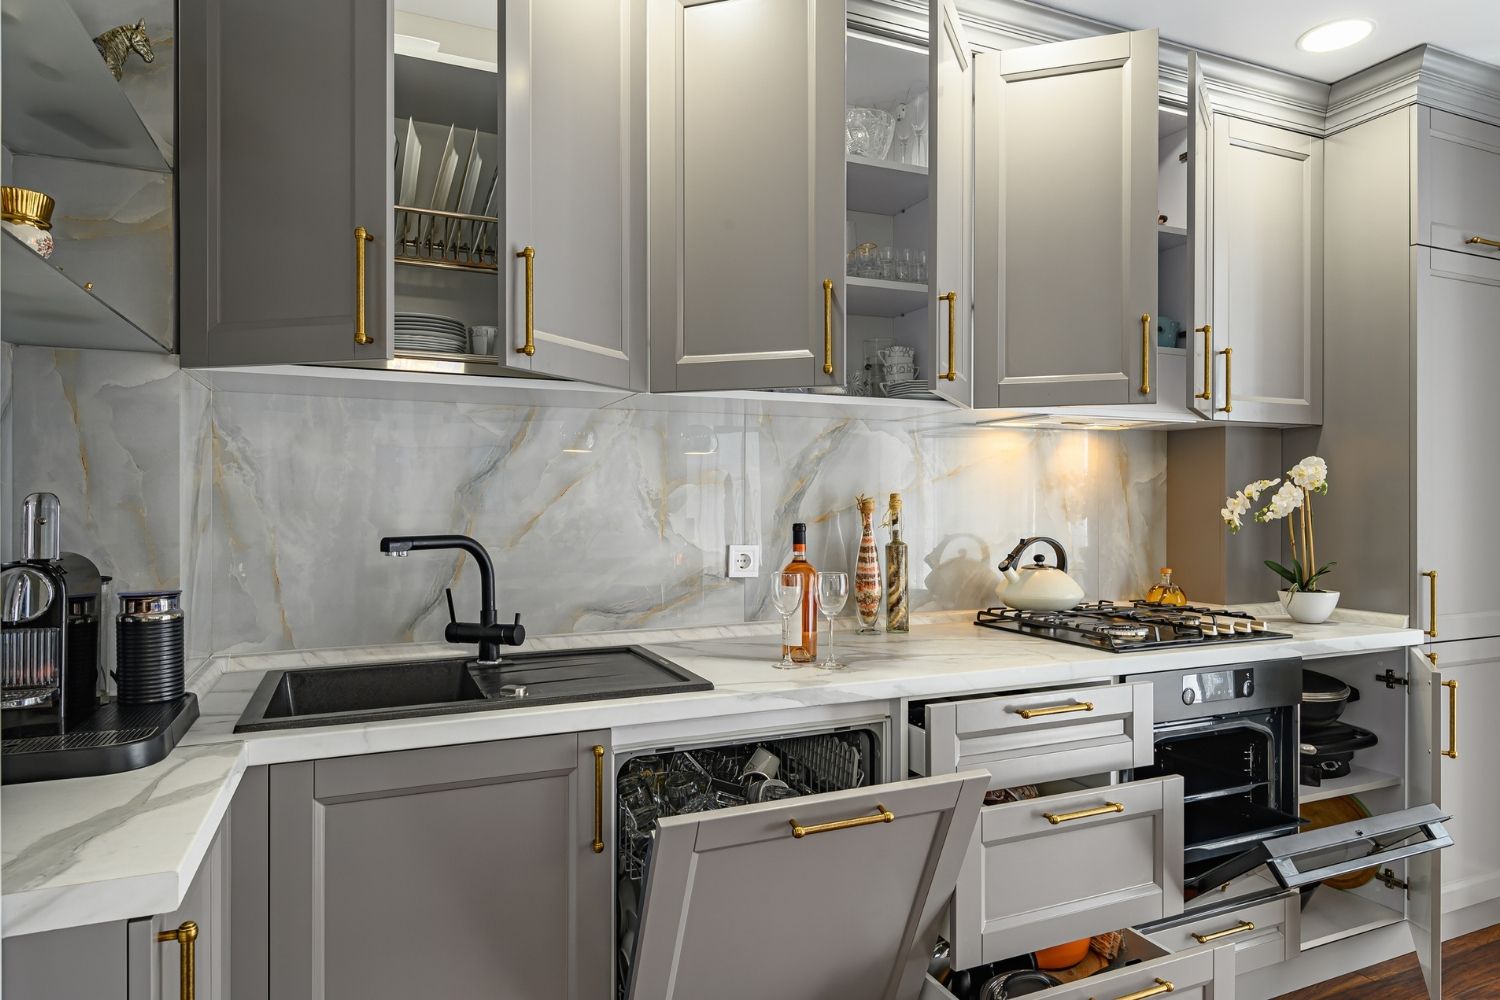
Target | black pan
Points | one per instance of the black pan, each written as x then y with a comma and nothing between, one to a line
1324,698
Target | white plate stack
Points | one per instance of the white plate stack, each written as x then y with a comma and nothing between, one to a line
908,389
431,333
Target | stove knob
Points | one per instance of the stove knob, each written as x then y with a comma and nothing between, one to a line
1247,687
1189,696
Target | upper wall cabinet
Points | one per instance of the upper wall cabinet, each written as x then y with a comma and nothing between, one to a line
1457,205
951,229
370,204
1066,206
747,194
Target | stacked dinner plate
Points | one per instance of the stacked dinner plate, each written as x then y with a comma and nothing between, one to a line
431,333
908,389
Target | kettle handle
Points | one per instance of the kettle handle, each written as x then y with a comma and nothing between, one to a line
1010,560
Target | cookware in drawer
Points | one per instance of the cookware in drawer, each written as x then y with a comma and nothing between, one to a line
1064,867
1036,736
1458,174
1205,973
1264,928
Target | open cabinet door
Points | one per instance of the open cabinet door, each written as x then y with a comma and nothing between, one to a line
950,174
1200,229
1424,758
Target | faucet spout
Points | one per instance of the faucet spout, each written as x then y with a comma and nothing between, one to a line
487,633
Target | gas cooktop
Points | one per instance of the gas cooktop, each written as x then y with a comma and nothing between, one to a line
1126,628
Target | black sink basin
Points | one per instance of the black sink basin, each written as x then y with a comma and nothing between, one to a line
322,696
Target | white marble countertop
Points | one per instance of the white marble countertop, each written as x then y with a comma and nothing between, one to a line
96,849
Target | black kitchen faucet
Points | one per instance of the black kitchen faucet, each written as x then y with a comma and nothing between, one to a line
489,635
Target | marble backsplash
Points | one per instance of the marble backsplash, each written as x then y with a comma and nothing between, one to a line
267,508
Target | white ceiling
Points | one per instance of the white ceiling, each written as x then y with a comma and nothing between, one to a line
1266,31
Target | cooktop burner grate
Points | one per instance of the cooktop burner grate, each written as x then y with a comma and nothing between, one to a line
1120,628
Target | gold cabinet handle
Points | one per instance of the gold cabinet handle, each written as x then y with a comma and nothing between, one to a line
1145,354
827,329
185,934
598,800
1207,329
882,815
952,299
529,253
1452,752
1431,631
1481,241
361,237
1162,986
1244,926
1104,810
1228,406
1033,713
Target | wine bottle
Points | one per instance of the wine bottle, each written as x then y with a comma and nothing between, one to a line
897,614
808,650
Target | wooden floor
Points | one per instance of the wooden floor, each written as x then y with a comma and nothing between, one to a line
1471,971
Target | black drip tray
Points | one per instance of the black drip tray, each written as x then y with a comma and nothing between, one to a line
114,738
1216,826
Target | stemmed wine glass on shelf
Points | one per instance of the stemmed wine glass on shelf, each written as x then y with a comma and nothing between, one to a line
786,598
833,591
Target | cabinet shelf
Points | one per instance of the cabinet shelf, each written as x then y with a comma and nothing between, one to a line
1335,914
60,99
884,187
878,297
1170,236
45,306
1358,780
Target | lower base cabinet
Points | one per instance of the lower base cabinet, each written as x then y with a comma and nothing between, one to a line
1471,867
464,871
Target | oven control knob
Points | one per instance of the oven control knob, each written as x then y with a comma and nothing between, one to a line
1189,696
1247,687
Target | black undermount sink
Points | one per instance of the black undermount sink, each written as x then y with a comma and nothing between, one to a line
325,696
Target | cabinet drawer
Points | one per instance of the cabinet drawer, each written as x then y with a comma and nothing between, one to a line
1063,867
1205,973
1458,183
1264,928
1036,736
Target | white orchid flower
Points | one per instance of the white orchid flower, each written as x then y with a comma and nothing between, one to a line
1283,502
1310,474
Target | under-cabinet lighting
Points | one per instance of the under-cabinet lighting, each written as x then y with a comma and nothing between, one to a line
1335,35
1054,422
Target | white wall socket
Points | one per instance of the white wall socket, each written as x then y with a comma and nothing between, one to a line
744,561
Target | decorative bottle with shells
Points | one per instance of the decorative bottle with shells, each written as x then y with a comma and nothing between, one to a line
897,613
867,570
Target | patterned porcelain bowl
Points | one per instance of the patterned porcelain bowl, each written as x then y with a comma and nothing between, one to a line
28,215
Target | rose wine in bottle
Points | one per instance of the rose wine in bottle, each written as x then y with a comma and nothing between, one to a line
897,614
808,650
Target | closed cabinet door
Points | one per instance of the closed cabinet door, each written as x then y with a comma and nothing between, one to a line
453,871
285,182
950,168
574,94
189,946
1458,420
747,194
1065,222
1267,274
1471,867
1457,183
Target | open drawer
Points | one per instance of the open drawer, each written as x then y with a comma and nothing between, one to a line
1204,973
1064,867
1264,927
1036,736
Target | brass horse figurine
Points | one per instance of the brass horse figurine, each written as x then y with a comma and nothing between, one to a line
117,43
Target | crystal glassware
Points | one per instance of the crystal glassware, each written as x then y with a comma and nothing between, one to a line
786,598
868,132
833,591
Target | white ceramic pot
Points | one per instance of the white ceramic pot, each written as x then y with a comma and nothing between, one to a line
1310,607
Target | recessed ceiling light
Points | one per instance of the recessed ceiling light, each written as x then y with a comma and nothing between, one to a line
1335,35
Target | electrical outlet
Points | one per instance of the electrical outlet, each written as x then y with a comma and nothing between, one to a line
744,561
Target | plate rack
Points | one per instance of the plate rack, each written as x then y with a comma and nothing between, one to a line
455,241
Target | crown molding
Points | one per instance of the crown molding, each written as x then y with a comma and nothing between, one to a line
1427,75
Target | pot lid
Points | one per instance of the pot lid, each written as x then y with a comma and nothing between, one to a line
1319,687
835,895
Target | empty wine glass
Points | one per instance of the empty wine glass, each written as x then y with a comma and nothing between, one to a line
833,591
917,108
786,598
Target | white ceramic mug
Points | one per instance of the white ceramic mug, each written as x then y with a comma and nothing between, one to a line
898,357
482,340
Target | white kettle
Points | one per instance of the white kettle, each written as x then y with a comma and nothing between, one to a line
1039,587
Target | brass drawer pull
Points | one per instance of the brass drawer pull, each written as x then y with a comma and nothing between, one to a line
952,299
529,348
1452,752
598,800
1162,986
185,935
1109,807
1432,629
827,326
1145,354
882,815
1207,329
1228,406
361,237
1033,713
1481,241
1242,927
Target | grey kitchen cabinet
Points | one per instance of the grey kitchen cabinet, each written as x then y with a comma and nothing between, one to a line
1471,867
1065,223
951,226
455,871
747,194
1457,187
1262,354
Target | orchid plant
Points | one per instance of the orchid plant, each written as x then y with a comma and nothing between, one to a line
1292,503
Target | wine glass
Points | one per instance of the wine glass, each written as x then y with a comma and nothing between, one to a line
786,598
833,591
917,106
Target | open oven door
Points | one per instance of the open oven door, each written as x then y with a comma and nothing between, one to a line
1424,786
